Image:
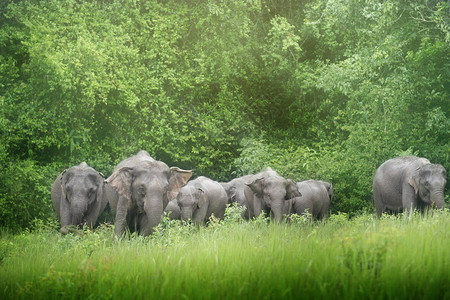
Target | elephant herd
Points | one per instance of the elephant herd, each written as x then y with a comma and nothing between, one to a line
141,189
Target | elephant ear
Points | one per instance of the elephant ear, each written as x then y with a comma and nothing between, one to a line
412,182
329,188
257,186
330,191
100,184
65,177
201,196
64,212
232,194
292,190
178,178
121,181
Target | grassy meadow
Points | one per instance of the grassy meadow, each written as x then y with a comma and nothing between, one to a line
362,258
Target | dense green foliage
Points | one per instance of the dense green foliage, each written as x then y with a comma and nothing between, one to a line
363,258
315,89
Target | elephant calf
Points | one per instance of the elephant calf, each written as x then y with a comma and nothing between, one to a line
173,210
201,198
79,195
315,199
235,192
407,183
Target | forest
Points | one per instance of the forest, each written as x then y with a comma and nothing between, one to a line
324,89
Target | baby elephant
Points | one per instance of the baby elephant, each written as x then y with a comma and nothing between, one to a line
173,210
316,198
235,192
79,195
201,198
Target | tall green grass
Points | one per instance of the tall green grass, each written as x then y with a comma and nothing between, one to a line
395,257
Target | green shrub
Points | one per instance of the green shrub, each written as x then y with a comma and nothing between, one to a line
25,193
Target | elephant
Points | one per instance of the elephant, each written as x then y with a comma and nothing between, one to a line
235,192
201,198
407,183
173,210
144,187
79,194
267,191
316,198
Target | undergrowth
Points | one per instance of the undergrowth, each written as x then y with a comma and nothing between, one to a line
400,257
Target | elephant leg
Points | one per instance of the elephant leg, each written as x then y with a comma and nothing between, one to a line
92,216
257,206
378,200
244,214
144,228
409,200
121,216
323,214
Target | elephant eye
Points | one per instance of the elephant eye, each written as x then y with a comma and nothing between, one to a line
141,191
68,190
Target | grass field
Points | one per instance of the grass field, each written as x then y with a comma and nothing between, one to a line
362,258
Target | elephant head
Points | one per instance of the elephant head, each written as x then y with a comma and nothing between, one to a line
190,199
144,190
429,184
231,192
78,196
270,193
329,188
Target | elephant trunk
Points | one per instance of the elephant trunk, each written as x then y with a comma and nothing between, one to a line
153,208
437,199
186,214
277,209
78,210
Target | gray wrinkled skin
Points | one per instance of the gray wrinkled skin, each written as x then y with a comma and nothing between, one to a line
79,195
143,188
235,192
201,198
173,210
315,199
267,191
407,183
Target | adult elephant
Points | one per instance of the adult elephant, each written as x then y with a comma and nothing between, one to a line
407,183
315,199
144,187
79,195
235,192
200,199
267,191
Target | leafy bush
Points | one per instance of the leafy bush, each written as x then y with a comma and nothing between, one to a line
25,193
314,89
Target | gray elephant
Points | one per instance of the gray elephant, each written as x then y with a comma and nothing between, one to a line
316,198
267,191
144,187
407,183
173,210
235,192
201,198
79,195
